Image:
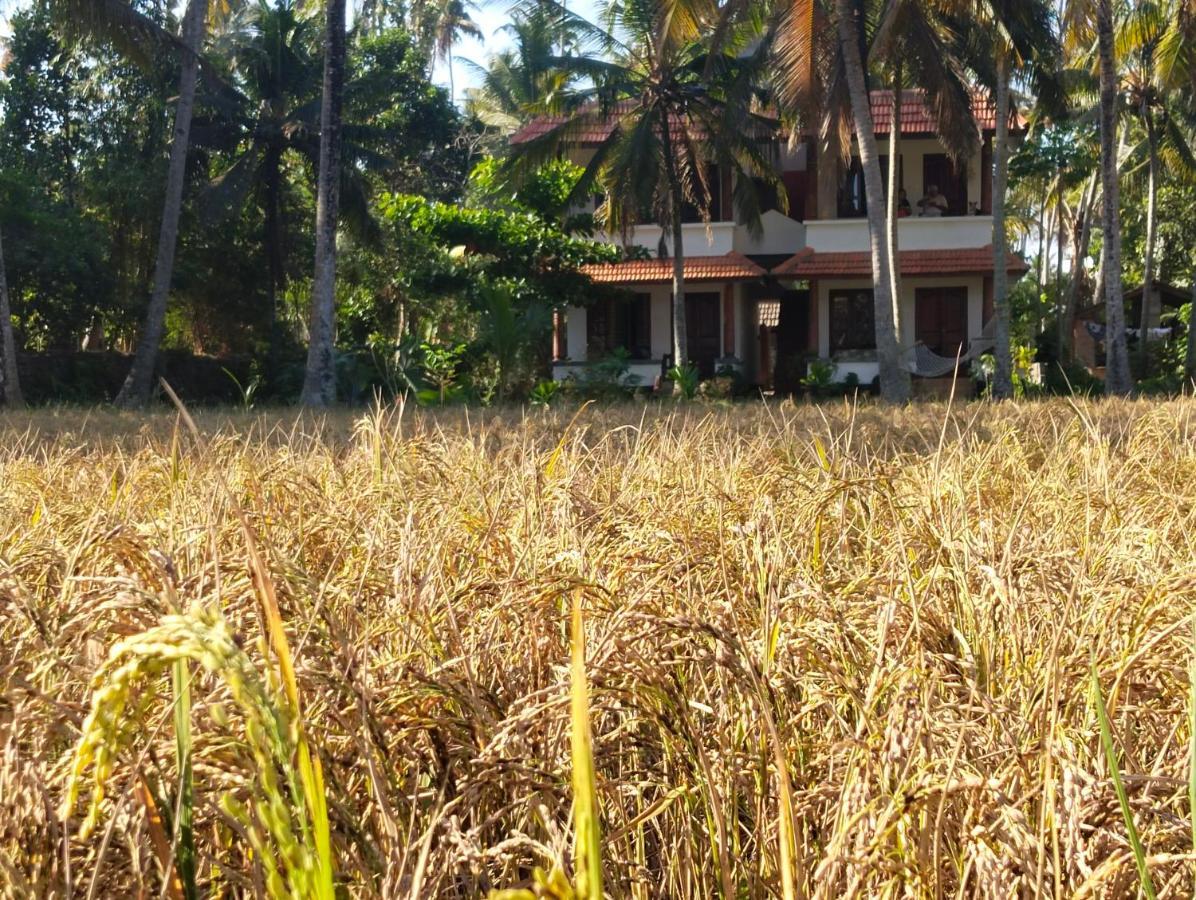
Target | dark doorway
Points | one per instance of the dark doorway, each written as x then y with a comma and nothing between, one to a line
702,327
793,340
941,319
952,181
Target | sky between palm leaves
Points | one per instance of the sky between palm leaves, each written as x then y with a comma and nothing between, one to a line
490,16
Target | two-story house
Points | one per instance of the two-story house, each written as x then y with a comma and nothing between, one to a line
802,288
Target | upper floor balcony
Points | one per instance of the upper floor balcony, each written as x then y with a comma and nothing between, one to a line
778,235
914,233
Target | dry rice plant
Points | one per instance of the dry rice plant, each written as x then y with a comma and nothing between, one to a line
829,652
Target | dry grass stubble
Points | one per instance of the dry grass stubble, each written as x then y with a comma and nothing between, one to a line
902,607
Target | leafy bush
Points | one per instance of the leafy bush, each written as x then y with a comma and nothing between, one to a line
721,387
606,379
440,362
544,393
686,379
819,377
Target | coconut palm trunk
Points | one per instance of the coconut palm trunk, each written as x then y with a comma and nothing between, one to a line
1117,364
894,189
1152,194
894,377
1190,354
1081,238
680,329
319,380
10,382
676,203
139,382
1003,377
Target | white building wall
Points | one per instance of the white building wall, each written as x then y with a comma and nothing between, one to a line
575,333
661,318
866,370
662,321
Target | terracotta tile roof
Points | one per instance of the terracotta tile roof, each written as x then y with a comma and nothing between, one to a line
915,119
731,267
971,261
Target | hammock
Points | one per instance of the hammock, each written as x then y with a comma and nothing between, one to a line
928,364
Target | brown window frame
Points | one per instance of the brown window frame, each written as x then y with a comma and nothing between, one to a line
853,327
620,324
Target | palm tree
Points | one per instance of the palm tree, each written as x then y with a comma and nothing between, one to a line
1007,40
894,376
138,383
1158,107
1083,17
136,35
443,25
517,80
822,76
10,382
1117,363
281,78
670,108
319,379
917,38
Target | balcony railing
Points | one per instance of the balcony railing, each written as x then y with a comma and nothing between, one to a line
778,235
915,233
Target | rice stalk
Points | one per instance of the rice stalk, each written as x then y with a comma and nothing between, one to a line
1127,814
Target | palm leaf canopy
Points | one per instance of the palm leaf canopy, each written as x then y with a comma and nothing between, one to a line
664,109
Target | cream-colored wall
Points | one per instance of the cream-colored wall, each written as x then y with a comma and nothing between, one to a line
914,233
740,348
912,150
974,284
575,333
661,319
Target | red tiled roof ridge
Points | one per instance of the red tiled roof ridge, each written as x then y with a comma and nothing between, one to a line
725,267
808,263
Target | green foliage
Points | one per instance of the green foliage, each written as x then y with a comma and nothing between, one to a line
608,378
440,364
819,377
544,392
545,193
686,380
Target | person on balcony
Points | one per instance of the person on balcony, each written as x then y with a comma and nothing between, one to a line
903,208
934,203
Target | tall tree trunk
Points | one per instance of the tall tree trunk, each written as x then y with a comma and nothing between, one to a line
1117,363
1152,194
894,376
1081,238
894,188
1003,377
1190,355
138,384
319,380
1044,266
1043,227
274,236
677,201
1060,234
10,382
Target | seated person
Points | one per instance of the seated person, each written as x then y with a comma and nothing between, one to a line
934,203
903,207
